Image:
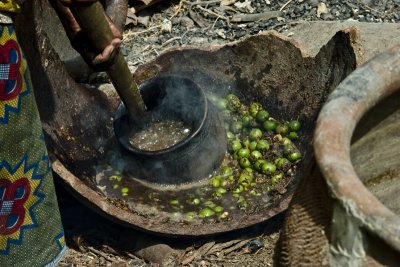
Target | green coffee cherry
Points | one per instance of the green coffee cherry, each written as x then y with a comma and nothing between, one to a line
243,153
233,102
174,202
268,168
255,134
235,145
258,164
262,116
276,178
221,190
216,181
254,109
209,204
270,125
206,213
293,135
286,141
295,156
246,120
244,163
196,201
238,190
282,129
262,145
253,145
255,155
218,209
245,179
294,125
226,170
282,163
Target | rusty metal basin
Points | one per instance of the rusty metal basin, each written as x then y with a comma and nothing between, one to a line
269,68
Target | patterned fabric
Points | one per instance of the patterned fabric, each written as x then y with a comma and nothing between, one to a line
31,233
9,6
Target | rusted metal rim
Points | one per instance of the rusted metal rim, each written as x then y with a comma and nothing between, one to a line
100,204
359,92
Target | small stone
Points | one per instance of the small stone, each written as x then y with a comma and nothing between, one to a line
143,20
166,26
326,16
186,22
240,34
313,3
321,9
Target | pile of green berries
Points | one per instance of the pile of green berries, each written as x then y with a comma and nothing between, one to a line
258,142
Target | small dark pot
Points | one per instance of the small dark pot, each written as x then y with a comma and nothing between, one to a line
191,159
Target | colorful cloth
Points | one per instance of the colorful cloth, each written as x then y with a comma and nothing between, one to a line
31,233
9,6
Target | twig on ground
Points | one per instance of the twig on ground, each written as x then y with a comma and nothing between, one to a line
101,253
200,252
287,3
204,3
213,13
237,246
126,35
170,41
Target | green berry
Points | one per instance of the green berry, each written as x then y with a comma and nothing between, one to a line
245,179
216,181
262,145
255,155
262,116
233,102
235,145
282,129
226,171
246,120
293,135
196,201
255,134
124,190
259,163
244,163
254,108
206,213
253,145
295,156
218,209
268,168
174,202
243,153
270,125
286,141
294,125
282,163
221,190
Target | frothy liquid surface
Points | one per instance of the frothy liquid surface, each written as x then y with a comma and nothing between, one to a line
159,135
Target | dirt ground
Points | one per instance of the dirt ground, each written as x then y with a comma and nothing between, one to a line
181,23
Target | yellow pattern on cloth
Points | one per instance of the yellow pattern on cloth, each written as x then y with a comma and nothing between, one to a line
9,6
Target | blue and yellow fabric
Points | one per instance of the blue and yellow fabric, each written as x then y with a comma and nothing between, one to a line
31,233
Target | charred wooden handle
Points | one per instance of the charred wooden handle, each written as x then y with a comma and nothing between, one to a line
93,22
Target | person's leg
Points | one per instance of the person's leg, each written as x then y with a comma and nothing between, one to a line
31,233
